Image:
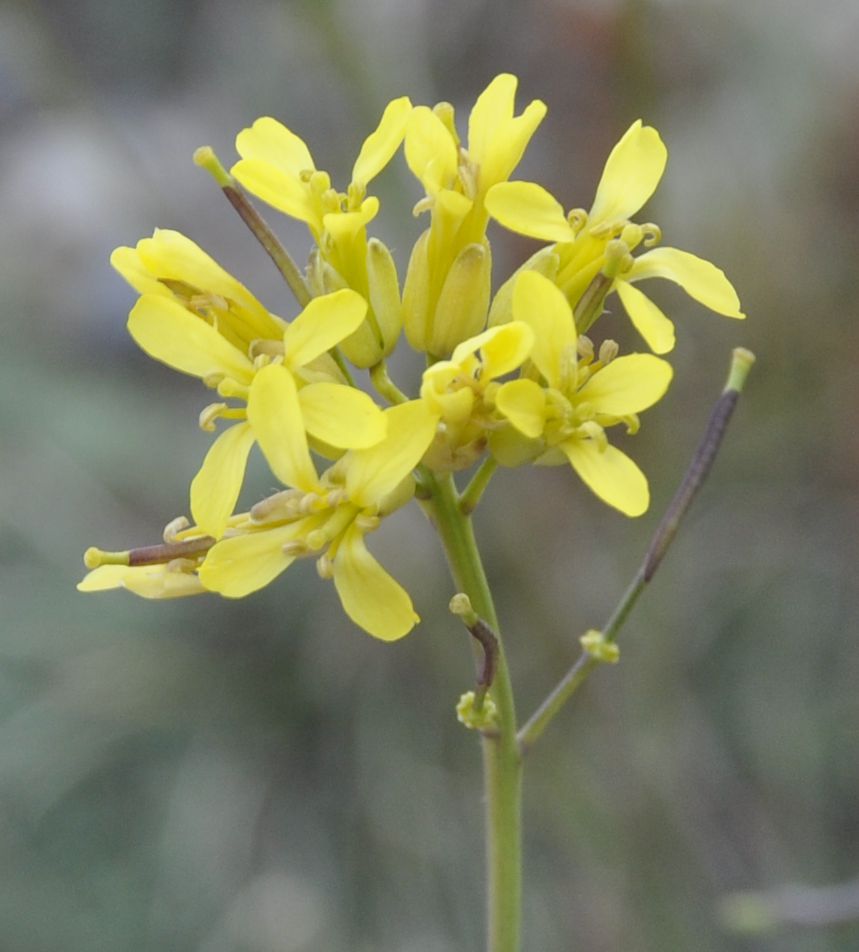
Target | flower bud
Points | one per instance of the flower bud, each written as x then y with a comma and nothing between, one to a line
416,296
464,300
384,289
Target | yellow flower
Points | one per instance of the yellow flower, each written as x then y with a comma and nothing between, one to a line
564,418
277,167
601,241
195,318
324,517
446,294
459,393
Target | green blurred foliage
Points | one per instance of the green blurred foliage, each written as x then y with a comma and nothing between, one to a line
260,777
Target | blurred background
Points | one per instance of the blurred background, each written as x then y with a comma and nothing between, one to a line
262,777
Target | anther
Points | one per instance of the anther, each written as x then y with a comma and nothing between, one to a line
632,235
617,258
295,549
272,348
652,234
577,218
173,528
208,415
282,505
585,347
367,523
325,567
608,351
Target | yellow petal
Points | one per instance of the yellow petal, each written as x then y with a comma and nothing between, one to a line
283,191
430,150
611,475
502,349
270,141
528,209
341,416
542,306
147,581
322,325
647,319
700,279
493,109
497,139
126,261
166,331
630,176
170,254
239,565
275,415
523,403
343,226
380,146
628,384
216,487
375,472
371,598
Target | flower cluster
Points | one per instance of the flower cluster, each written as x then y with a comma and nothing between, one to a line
511,377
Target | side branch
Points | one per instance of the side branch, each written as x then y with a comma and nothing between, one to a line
594,652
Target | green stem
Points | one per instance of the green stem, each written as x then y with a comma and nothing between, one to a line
473,492
702,462
502,763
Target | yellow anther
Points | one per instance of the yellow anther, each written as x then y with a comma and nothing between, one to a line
355,195
325,567
367,523
272,348
319,182
295,549
316,539
173,528
447,114
577,219
282,505
585,347
311,502
632,235
182,565
424,205
227,387
214,381
632,423
652,234
595,432
608,351
209,414
617,258
94,557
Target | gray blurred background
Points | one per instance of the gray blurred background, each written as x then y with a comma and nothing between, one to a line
262,777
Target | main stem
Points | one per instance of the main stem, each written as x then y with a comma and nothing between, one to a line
502,763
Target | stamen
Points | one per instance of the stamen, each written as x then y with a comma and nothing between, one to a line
367,523
172,529
585,347
272,348
316,539
325,567
608,351
295,549
617,258
424,205
208,415
577,219
596,433
652,234
282,505
227,387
